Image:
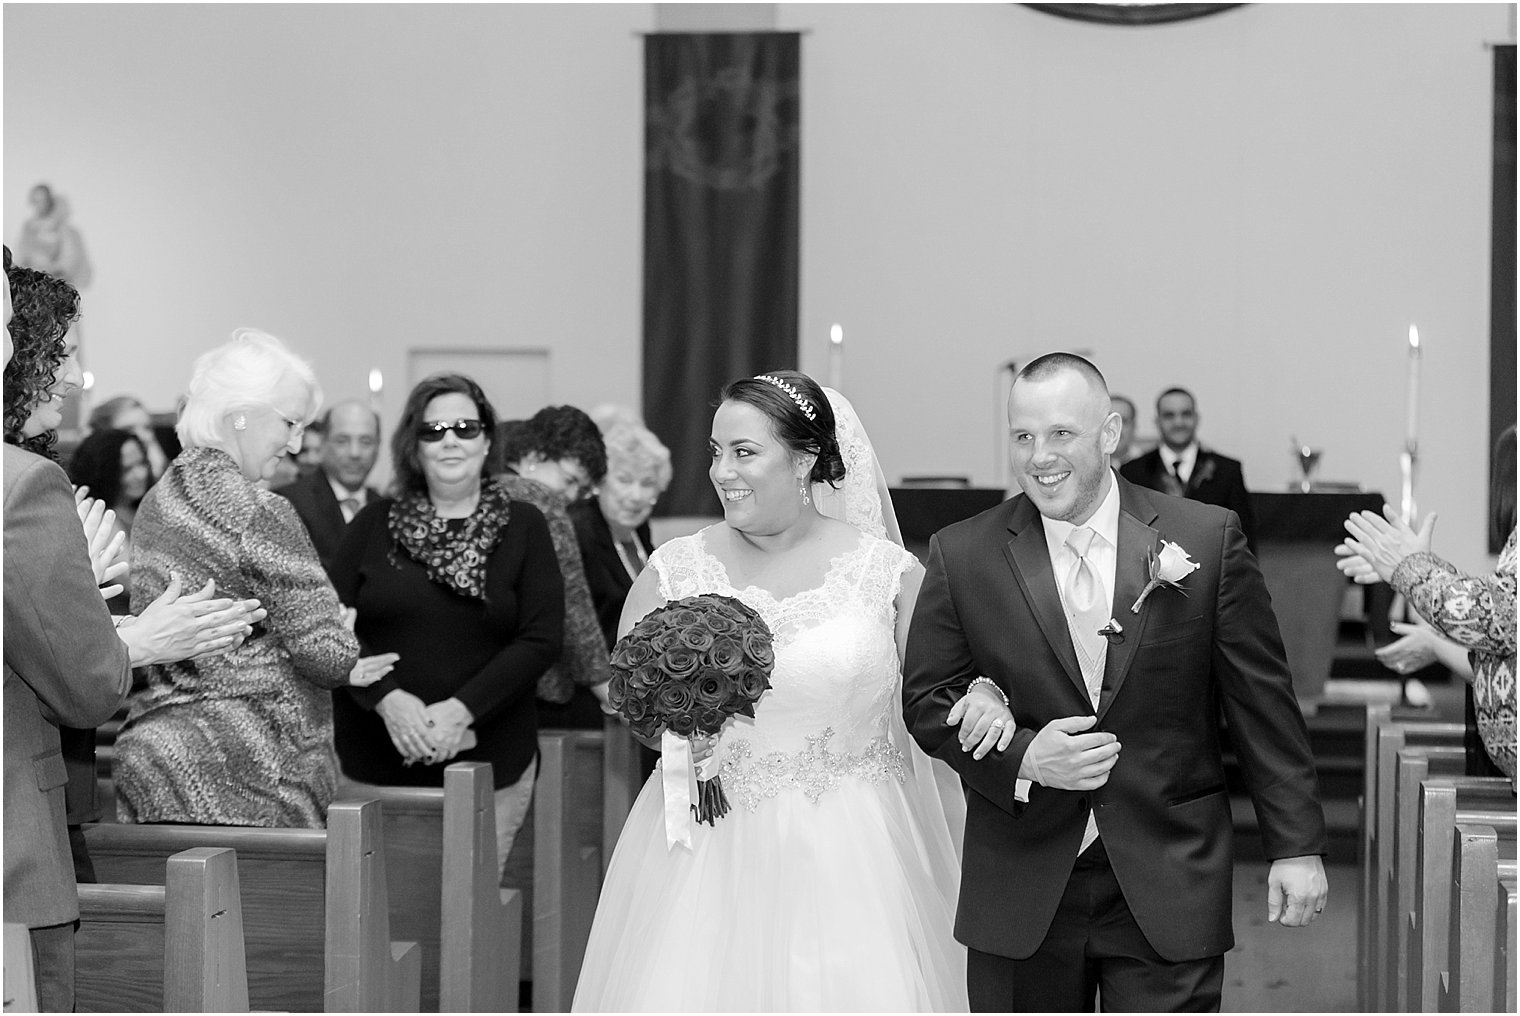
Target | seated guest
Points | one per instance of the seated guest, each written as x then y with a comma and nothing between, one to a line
456,584
309,458
126,413
112,465
613,527
1474,611
553,460
328,499
1181,467
244,738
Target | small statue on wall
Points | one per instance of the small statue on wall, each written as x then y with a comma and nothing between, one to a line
50,243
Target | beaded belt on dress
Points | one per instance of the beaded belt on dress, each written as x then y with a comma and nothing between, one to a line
813,770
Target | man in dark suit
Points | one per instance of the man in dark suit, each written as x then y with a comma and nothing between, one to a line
329,498
1180,467
1097,853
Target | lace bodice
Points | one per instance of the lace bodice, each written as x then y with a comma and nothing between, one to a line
835,685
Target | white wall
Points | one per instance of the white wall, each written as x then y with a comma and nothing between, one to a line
357,179
1255,205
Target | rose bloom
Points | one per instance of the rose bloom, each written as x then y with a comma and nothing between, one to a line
632,653
710,721
683,725
645,677
683,618
697,639
726,654
752,683
634,708
757,647
680,663
712,688
674,698
666,641
647,727
1173,563
720,623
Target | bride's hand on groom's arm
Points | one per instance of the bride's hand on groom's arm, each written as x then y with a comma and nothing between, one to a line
1064,757
986,723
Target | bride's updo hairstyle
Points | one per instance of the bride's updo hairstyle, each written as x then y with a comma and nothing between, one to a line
800,414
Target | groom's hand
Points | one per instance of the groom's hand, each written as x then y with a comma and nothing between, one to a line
1296,890
1063,757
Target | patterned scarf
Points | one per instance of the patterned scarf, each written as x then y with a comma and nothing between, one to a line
454,559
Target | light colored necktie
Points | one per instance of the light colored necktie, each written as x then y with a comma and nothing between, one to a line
1086,612
1175,484
350,508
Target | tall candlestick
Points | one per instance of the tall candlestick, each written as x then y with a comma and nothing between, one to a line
376,386
836,358
1410,458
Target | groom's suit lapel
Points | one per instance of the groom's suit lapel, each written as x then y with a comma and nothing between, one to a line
1131,572
1029,558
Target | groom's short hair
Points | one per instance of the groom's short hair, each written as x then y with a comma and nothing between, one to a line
1042,368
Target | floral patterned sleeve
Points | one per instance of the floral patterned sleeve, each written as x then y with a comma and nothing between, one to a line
1474,611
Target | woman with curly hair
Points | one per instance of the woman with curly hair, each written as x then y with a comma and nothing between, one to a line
43,370
553,460
113,465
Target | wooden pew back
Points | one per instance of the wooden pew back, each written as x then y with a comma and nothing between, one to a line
170,947
1481,855
315,912
1413,765
1388,737
1505,996
1444,803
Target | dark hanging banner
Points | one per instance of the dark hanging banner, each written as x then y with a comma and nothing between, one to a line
1501,328
721,210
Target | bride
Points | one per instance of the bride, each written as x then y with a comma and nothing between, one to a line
831,884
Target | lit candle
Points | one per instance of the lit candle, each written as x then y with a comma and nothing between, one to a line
836,358
1411,437
376,385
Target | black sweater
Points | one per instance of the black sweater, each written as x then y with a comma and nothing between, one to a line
488,655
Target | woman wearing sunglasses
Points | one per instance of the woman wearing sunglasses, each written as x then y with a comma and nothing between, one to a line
460,583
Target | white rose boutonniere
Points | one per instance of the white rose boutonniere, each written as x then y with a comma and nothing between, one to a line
1167,568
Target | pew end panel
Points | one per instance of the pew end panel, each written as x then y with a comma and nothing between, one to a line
20,978
364,973
481,923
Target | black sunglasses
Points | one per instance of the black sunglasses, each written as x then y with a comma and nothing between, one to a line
466,429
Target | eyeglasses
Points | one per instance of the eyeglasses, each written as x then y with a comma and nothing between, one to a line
297,427
466,429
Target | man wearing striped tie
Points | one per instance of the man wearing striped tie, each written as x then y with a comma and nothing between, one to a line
1118,623
332,495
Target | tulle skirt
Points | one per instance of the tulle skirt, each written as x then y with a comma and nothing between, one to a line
846,904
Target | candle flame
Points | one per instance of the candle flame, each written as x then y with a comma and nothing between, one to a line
836,334
1414,337
376,380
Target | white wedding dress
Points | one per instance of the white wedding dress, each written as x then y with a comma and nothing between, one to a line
831,884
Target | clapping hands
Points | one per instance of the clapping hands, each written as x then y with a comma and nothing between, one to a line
1376,545
106,543
185,626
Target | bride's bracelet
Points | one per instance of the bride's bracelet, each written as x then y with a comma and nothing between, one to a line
989,682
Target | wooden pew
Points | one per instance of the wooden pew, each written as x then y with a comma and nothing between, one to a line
1481,856
556,861
1413,765
1505,995
1445,802
440,852
20,975
170,947
316,918
1366,968
1387,737
621,783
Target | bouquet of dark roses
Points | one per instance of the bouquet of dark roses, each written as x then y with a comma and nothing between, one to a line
687,667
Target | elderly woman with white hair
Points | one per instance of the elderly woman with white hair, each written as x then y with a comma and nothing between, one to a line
245,738
613,527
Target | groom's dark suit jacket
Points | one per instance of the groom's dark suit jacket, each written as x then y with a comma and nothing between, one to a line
1215,479
989,606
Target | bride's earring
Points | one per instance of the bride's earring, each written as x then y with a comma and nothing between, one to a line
241,423
803,487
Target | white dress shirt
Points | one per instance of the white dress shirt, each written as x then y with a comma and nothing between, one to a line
1182,462
1103,557
342,493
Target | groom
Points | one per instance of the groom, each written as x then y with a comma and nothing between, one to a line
1098,845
